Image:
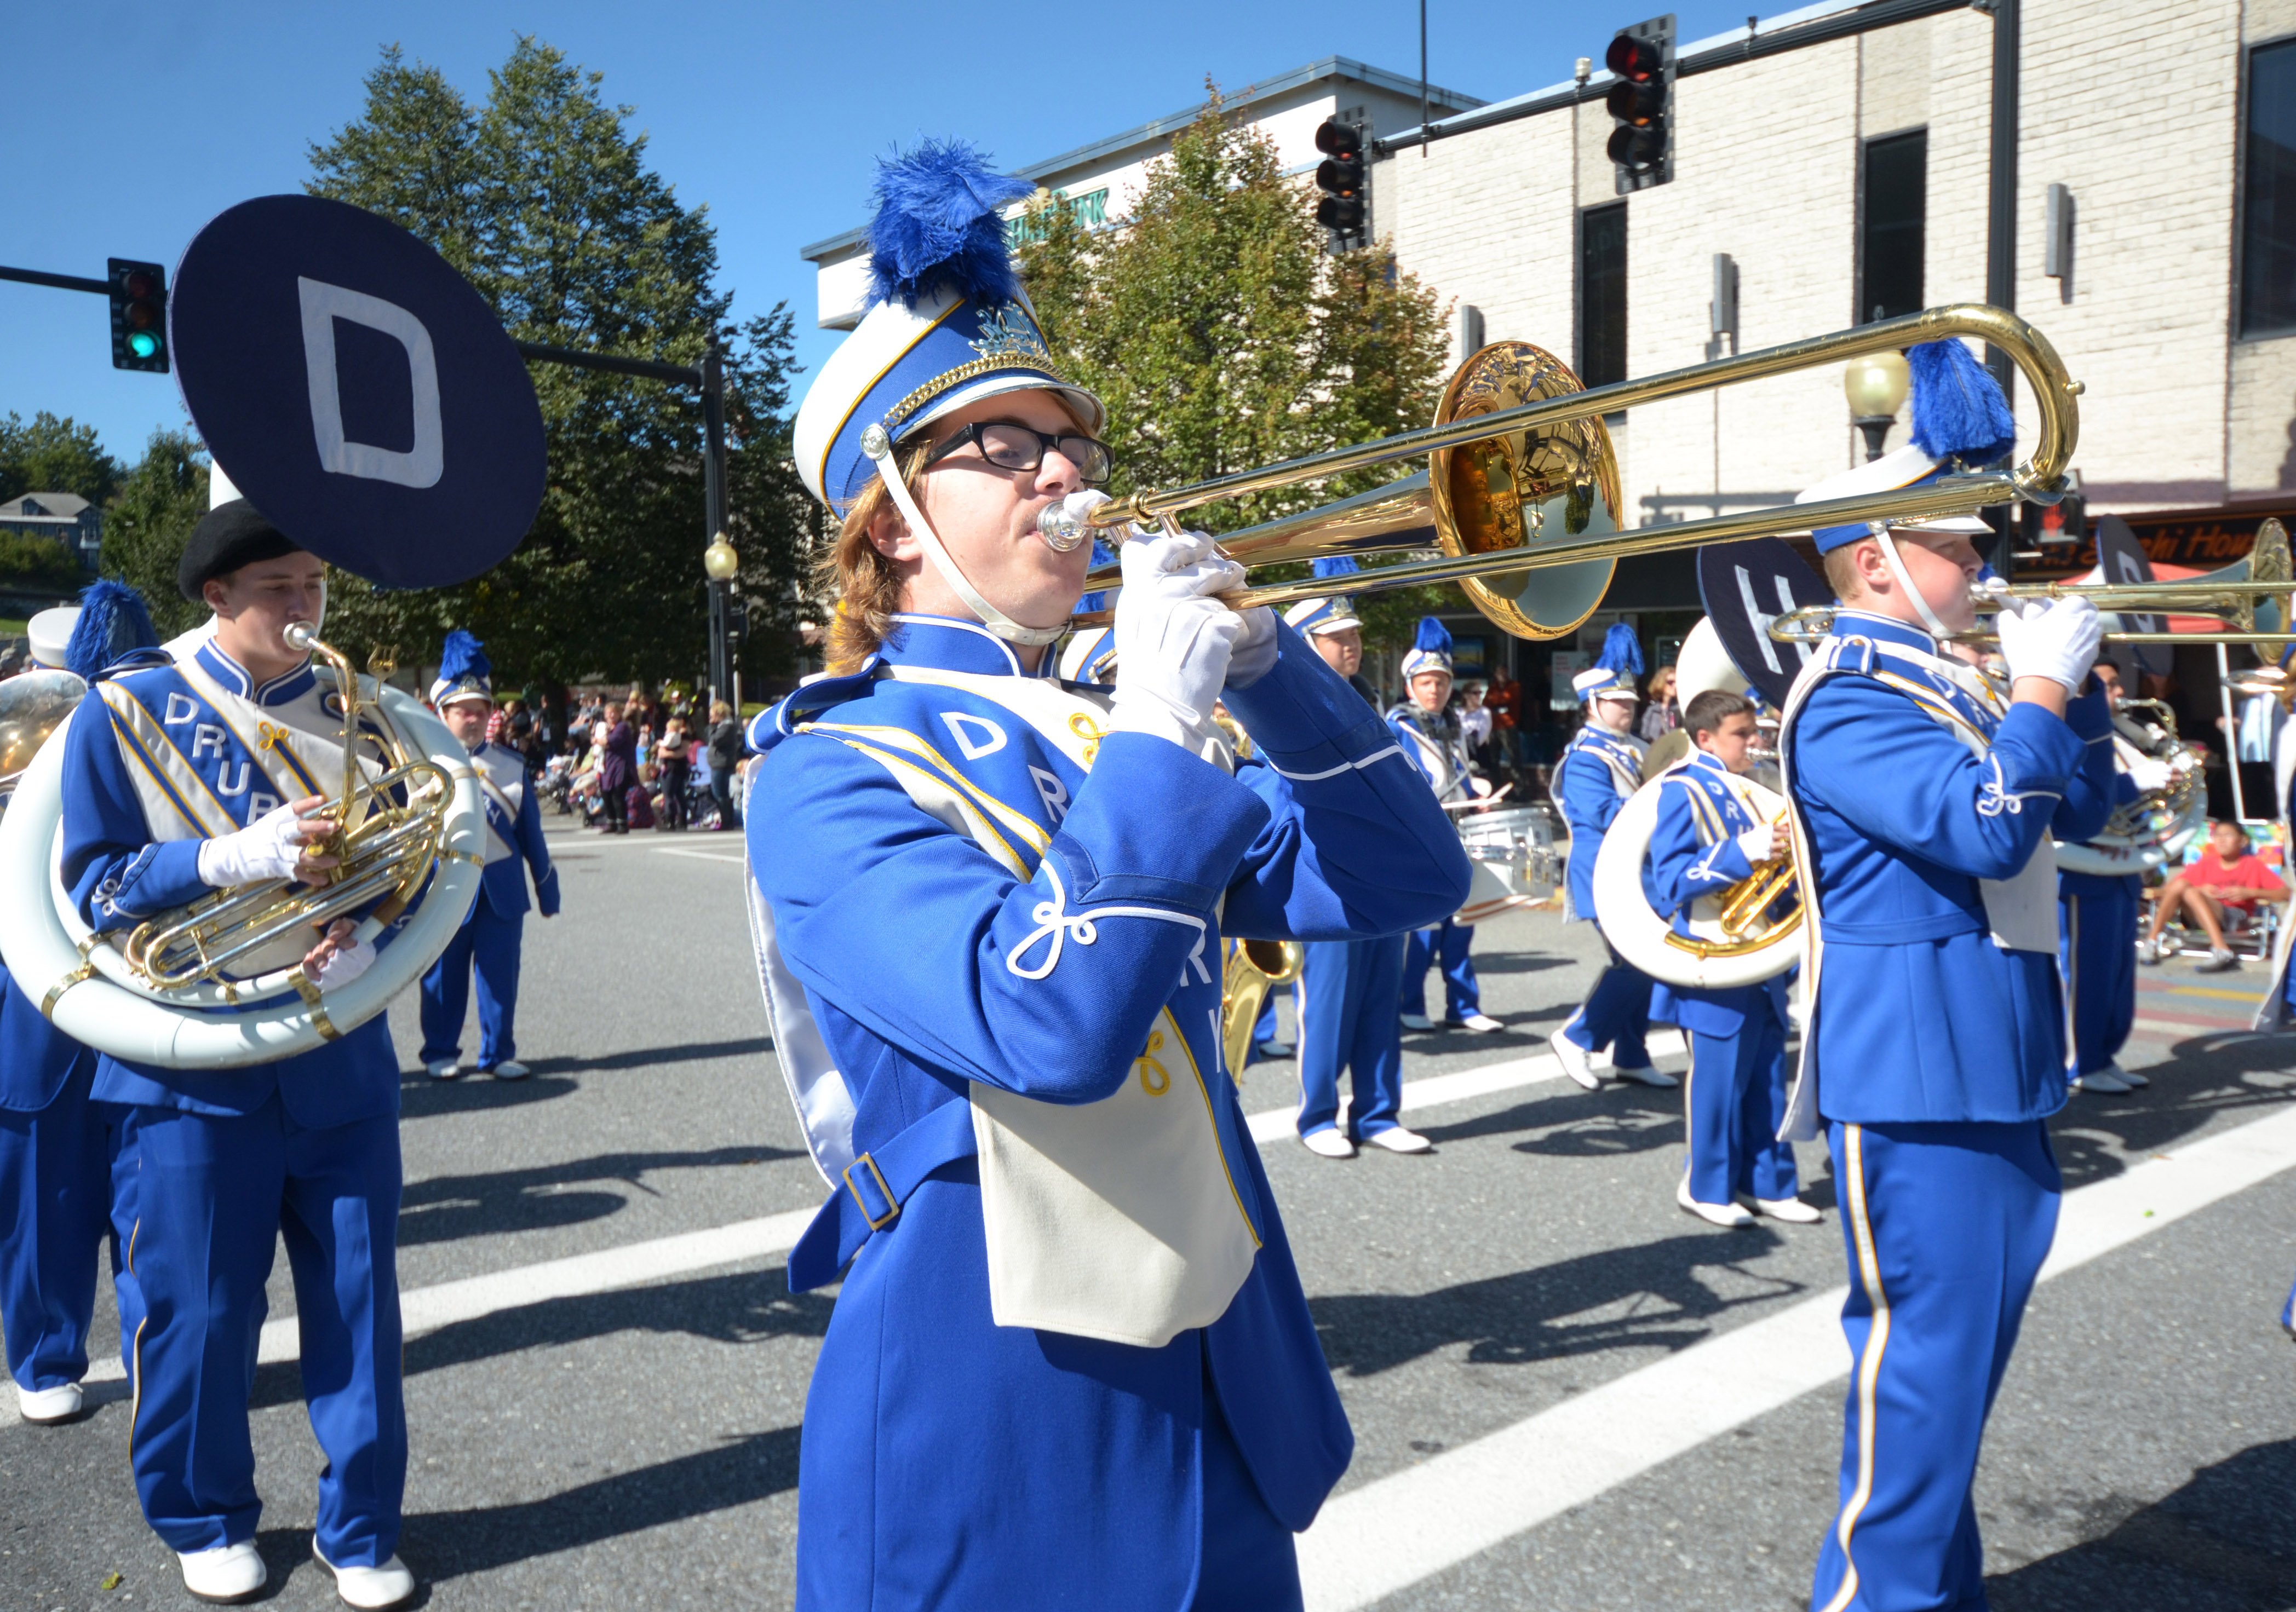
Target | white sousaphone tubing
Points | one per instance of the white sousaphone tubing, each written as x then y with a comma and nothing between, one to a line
1639,934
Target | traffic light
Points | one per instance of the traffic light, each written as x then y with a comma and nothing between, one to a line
2065,521
139,317
1344,210
1641,103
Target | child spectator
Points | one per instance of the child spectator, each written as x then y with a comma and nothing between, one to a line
2219,890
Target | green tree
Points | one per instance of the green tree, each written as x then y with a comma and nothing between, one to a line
542,197
1223,336
54,454
34,564
159,503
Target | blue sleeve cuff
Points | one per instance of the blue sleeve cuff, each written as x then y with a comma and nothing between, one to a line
1126,838
1303,715
161,875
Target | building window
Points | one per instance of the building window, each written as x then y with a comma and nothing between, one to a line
1893,212
1603,294
2267,211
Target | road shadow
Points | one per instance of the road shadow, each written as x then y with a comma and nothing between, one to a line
2223,1542
646,1057
448,1207
734,1307
443,1545
1628,1109
1650,1294
1517,962
420,1097
2097,1138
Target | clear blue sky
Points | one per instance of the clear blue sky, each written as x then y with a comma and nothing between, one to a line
134,124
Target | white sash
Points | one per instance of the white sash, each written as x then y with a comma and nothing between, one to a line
1114,1219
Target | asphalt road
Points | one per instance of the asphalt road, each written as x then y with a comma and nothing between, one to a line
590,1430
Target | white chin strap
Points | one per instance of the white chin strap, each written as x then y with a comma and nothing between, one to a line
1898,570
878,448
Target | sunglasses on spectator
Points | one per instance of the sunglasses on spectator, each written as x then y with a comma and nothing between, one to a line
1010,446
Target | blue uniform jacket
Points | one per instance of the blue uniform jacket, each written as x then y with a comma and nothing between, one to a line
514,819
1436,750
1598,773
119,872
1065,1466
1920,1016
1693,852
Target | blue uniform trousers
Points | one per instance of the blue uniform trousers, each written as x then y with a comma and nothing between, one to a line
67,1186
2096,947
1245,1561
215,1195
1446,943
1733,1098
1616,1014
1946,1225
1347,1019
488,944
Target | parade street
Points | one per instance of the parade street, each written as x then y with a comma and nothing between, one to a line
1565,1391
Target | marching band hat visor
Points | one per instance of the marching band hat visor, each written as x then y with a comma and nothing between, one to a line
228,536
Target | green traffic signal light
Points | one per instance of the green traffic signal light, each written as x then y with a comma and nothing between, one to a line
143,344
139,317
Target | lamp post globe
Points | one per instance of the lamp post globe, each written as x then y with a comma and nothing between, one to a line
1875,386
719,560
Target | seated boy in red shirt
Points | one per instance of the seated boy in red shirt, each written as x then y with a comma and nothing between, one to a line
2228,877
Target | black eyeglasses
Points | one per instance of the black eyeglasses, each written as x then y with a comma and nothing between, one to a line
1010,446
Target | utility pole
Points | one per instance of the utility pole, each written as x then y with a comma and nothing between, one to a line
2001,235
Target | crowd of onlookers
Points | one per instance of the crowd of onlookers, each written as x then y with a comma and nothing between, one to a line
642,761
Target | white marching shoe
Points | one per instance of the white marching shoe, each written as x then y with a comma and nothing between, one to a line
1791,1210
446,1069
1482,1023
225,1575
509,1068
1647,1075
1395,1139
369,1588
2129,1077
1417,1022
46,1407
1574,1060
2106,1082
1718,1214
1330,1142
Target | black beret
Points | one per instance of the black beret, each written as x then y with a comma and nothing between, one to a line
228,536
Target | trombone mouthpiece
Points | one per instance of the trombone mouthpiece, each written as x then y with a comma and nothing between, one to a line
300,635
1063,526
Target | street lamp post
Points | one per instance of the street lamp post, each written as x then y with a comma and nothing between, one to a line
1877,385
722,565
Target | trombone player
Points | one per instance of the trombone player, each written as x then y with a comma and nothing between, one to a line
1925,796
180,779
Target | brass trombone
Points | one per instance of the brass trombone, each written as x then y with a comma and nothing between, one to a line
1520,492
2250,596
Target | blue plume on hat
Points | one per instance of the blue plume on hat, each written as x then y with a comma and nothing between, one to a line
1433,636
463,657
1958,408
1344,564
1622,651
938,224
113,622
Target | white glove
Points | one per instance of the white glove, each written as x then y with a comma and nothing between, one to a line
2057,641
264,851
1255,648
1173,639
2148,775
345,966
1758,843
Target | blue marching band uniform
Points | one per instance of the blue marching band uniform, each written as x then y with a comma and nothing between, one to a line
1347,995
1934,1051
1599,773
1072,1363
1432,743
491,937
157,762
1734,1102
67,1160
2098,916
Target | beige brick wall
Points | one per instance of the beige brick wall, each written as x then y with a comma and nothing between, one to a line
2130,104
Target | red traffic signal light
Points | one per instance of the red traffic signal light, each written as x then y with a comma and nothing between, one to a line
1641,58
139,317
1335,138
1639,61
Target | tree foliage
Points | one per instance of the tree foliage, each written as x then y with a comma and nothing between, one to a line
53,454
159,503
1223,336
542,197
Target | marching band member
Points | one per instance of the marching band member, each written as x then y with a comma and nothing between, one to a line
489,942
1924,800
1072,1363
1432,742
67,1161
1599,771
1709,835
179,780
2097,942
1347,988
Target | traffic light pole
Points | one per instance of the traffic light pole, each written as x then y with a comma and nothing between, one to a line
62,282
2001,232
